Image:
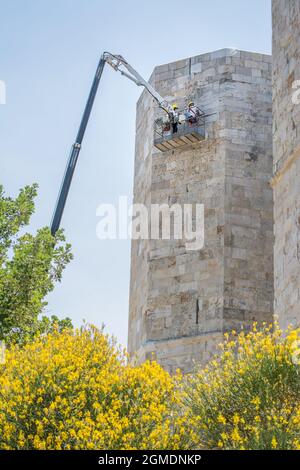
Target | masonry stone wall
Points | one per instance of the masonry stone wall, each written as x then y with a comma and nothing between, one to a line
182,301
286,180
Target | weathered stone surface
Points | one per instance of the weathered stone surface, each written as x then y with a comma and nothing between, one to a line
182,301
286,126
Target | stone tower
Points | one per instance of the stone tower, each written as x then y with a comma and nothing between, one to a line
286,180
182,301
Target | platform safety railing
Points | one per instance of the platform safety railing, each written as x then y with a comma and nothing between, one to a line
187,123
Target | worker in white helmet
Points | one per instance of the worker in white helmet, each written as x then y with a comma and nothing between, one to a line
193,113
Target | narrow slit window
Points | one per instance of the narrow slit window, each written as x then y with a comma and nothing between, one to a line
197,311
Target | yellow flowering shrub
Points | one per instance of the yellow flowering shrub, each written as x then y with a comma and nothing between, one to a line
73,390
249,396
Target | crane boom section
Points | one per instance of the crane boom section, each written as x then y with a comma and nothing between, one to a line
118,63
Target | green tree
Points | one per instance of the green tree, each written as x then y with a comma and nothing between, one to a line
30,265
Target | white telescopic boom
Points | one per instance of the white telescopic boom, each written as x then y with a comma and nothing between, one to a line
117,62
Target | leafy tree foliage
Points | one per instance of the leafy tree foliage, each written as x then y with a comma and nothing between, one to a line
30,265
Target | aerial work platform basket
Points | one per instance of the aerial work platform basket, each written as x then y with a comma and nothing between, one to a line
190,130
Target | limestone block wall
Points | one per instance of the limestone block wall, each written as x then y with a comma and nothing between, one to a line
246,116
286,149
182,301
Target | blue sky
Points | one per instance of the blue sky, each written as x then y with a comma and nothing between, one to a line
49,50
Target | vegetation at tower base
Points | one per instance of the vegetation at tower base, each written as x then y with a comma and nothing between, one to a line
75,390
29,267
249,398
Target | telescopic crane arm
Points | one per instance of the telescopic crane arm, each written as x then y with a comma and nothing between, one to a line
118,63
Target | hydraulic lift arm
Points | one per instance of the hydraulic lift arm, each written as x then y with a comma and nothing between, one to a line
67,179
118,63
